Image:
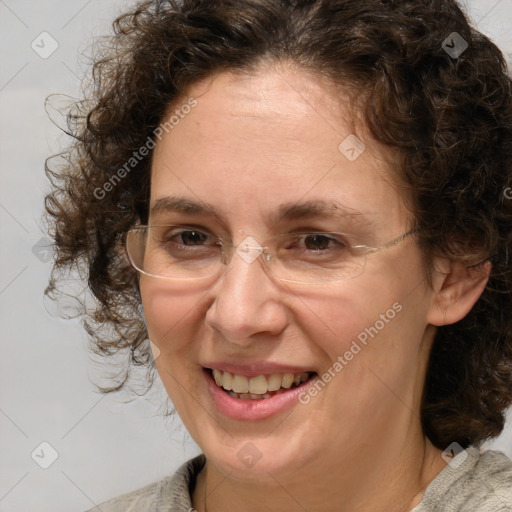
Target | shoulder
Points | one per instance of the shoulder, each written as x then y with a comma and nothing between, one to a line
141,500
492,477
170,493
472,482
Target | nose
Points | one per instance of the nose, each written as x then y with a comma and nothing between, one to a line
246,301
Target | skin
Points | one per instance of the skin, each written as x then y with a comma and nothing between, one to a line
252,143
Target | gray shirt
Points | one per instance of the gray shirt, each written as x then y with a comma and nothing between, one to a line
472,482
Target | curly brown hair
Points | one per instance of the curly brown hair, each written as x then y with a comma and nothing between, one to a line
447,117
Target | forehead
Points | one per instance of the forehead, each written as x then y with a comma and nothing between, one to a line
257,141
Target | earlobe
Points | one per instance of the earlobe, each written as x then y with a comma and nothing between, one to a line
457,287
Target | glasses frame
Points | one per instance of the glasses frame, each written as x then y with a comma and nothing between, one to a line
264,251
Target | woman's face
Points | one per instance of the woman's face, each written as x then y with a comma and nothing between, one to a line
259,155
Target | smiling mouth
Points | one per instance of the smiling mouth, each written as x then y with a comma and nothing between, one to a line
260,386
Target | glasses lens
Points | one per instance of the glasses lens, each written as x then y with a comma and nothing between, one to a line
173,252
317,268
180,252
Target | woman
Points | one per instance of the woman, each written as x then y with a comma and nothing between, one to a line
303,206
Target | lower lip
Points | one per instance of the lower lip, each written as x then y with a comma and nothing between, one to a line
248,409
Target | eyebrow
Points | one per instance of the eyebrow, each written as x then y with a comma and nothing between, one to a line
285,212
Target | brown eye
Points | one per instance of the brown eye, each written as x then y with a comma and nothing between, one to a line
317,242
192,237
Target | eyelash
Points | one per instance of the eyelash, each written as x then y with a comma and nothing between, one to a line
301,236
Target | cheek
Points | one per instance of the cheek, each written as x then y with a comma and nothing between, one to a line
370,336
171,318
355,313
375,322
168,311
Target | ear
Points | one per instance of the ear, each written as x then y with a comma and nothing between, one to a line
456,287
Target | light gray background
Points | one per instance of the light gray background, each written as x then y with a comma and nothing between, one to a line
105,447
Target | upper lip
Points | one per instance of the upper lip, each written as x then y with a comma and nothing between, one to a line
257,368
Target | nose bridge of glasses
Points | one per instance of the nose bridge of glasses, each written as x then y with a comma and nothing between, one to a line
244,255
249,250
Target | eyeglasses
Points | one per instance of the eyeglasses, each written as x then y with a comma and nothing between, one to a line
187,253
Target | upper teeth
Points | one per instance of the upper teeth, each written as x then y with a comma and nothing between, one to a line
258,385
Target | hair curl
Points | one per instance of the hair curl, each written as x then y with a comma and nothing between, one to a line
449,121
